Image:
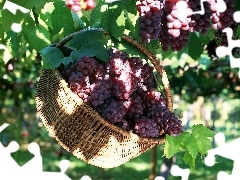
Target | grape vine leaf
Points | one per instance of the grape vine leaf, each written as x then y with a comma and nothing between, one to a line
15,40
132,25
113,21
97,13
2,2
195,49
46,17
187,158
62,19
36,36
29,4
90,35
195,142
92,48
52,57
90,43
172,145
78,22
127,5
8,18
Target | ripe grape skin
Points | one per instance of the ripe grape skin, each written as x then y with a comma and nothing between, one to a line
146,127
150,13
200,23
221,20
121,91
75,5
115,112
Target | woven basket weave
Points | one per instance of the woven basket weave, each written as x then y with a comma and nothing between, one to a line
79,129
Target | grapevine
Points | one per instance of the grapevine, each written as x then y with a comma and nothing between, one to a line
178,18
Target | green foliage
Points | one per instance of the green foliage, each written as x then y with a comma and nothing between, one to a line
191,71
61,19
195,49
193,142
53,57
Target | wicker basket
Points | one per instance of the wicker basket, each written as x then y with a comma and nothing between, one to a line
79,129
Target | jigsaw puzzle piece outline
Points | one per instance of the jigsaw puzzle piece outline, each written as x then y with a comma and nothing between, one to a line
222,51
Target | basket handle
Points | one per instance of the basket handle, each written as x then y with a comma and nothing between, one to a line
158,66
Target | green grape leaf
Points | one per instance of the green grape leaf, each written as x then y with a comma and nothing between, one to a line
47,19
37,37
66,60
92,48
29,4
172,145
128,6
237,5
97,12
132,25
195,49
128,48
78,22
190,142
62,20
83,38
204,145
238,32
195,142
113,21
201,131
203,38
52,57
15,40
9,18
2,2
188,158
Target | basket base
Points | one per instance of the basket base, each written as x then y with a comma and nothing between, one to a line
79,129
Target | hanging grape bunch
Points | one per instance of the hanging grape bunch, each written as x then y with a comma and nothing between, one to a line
78,5
172,21
122,92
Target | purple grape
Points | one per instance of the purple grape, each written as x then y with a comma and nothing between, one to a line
115,112
221,20
150,13
146,127
121,91
200,23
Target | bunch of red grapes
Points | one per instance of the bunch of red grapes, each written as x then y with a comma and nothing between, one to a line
122,92
78,5
171,21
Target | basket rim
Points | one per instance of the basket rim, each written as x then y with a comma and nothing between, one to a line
103,120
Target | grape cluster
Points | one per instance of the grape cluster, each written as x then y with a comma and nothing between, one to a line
122,92
177,18
221,20
200,23
78,5
176,43
150,12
